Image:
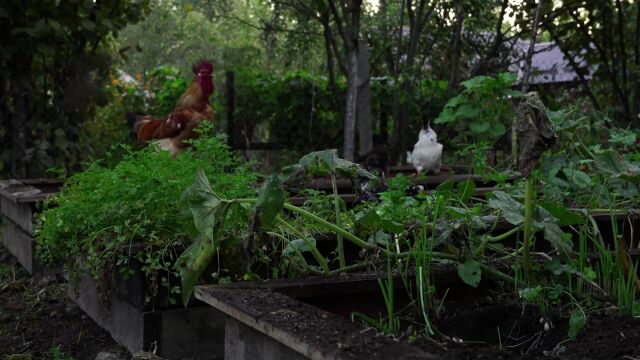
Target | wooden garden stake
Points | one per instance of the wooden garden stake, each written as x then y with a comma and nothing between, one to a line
528,194
535,135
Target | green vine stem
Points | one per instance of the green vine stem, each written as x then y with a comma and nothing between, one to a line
336,204
528,226
314,250
295,249
361,243
497,274
488,239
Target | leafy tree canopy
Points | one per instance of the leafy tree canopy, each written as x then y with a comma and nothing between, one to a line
54,62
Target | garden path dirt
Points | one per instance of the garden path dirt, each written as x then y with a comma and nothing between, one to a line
38,320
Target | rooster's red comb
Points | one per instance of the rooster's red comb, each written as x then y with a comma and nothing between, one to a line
202,66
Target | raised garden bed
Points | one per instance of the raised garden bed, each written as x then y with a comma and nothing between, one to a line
264,323
196,332
20,201
292,319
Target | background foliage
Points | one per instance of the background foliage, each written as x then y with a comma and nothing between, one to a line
54,61
420,55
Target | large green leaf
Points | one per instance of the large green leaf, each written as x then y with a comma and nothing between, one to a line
327,162
608,162
479,126
203,204
513,93
475,82
320,163
209,213
565,216
544,220
507,77
445,187
554,235
380,238
372,219
298,245
470,272
446,116
578,178
510,209
455,101
498,129
513,212
466,111
270,201
195,259
466,189
291,172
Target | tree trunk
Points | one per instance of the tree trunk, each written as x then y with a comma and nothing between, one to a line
18,131
349,136
347,19
397,113
455,60
365,127
614,70
637,61
328,40
534,33
270,33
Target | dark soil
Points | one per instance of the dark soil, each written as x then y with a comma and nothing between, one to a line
486,329
513,332
38,321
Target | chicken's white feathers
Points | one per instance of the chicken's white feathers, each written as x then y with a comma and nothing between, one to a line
426,153
167,144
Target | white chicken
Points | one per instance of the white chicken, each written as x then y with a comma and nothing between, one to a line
426,152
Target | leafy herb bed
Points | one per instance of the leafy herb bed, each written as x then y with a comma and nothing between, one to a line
20,201
306,319
131,284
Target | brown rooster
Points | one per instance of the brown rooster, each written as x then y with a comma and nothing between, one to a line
192,108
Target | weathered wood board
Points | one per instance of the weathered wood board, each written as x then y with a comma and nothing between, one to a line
21,245
19,200
264,324
194,333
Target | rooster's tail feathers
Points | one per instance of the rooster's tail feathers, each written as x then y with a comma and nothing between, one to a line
409,157
146,128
